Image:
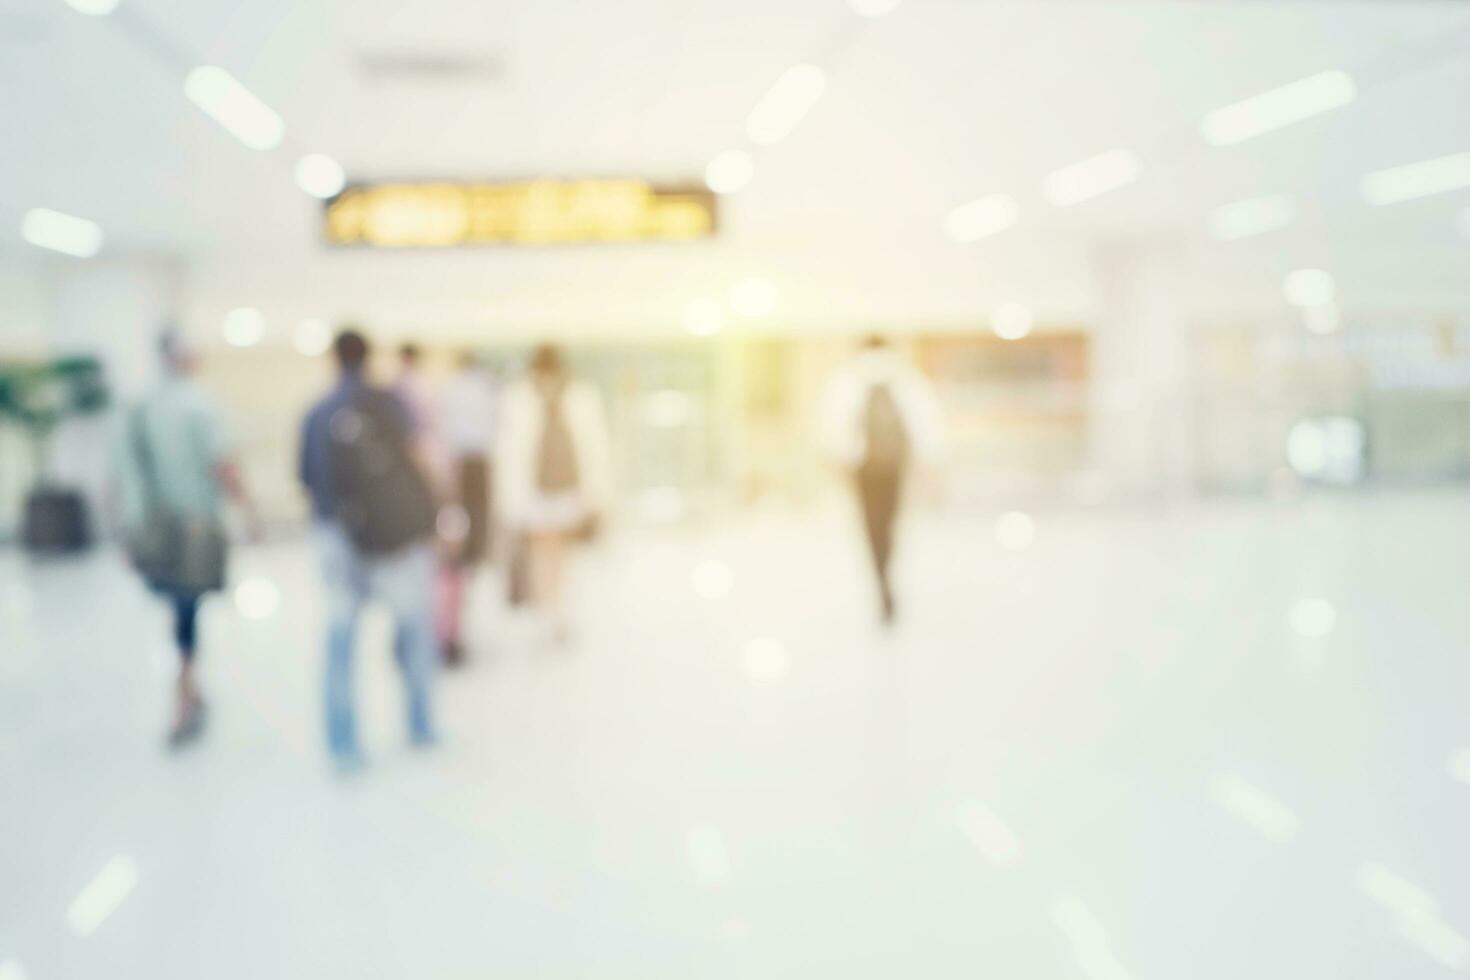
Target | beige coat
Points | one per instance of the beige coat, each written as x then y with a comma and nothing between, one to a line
518,440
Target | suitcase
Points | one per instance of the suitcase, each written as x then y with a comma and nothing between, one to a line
56,522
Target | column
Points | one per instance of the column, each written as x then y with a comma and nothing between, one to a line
1139,431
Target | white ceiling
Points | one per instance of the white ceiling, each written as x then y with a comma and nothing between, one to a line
938,103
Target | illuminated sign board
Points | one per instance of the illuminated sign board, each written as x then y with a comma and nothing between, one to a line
442,214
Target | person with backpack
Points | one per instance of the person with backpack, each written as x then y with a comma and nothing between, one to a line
879,417
173,468
551,477
374,514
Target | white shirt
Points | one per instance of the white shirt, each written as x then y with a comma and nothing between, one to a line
467,414
844,402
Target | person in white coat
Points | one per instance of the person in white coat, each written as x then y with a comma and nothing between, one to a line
552,473
879,416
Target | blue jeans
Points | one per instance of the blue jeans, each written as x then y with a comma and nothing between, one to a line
404,582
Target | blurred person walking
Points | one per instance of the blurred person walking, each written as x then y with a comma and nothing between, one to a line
879,416
467,426
414,392
173,468
374,513
552,475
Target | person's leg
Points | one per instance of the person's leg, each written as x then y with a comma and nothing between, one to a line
344,593
450,619
878,492
186,638
548,579
405,582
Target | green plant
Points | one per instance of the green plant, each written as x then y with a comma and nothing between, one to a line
38,397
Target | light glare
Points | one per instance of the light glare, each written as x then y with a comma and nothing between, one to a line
708,856
1090,178
704,317
244,327
234,107
786,104
257,598
753,298
1015,531
320,176
729,172
995,841
1279,107
873,8
982,217
103,895
313,337
1273,819
712,579
1011,321
1415,180
62,233
1307,288
765,661
1256,216
93,8
1312,618
1459,766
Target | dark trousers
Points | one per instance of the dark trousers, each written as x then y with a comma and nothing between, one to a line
474,478
879,491
186,624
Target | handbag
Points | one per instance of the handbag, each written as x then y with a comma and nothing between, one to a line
176,552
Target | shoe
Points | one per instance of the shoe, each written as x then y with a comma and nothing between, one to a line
190,726
348,763
453,654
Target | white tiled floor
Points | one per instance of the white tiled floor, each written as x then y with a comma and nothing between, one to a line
1107,755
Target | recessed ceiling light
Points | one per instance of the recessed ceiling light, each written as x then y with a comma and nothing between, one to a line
1307,288
61,232
1279,107
1256,216
1011,321
1323,319
1090,178
982,217
234,107
703,317
243,327
94,8
1414,180
1312,617
712,579
313,337
1015,530
753,298
320,176
766,661
786,104
873,8
729,172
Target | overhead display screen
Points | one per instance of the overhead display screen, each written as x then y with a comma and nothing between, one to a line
442,214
